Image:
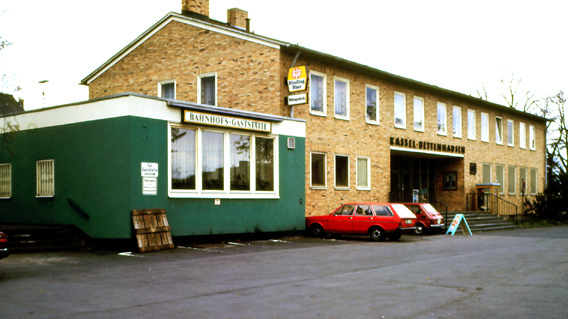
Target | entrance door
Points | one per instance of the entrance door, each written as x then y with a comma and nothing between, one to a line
412,178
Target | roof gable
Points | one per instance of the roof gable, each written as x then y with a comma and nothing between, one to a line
208,24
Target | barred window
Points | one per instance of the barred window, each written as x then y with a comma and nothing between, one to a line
45,177
5,180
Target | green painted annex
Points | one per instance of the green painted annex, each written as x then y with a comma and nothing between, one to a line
214,170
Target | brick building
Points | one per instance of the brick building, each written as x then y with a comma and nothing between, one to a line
370,135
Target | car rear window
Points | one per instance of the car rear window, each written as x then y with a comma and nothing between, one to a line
402,211
382,210
429,208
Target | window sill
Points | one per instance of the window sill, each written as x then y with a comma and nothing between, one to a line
363,188
442,134
372,122
257,195
457,136
318,187
318,113
419,130
400,127
341,188
339,117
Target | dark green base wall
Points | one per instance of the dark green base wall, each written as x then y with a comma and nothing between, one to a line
98,182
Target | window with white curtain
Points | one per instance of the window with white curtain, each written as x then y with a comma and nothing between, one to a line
363,173
231,163
522,135
457,121
207,89
484,127
372,105
442,119
532,141
399,110
471,128
533,188
317,97
341,98
500,177
418,114
167,89
510,133
512,180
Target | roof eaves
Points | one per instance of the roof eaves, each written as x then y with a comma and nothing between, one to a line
344,63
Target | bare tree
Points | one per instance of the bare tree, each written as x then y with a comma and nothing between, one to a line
510,91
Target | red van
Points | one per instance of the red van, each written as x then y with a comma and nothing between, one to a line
427,218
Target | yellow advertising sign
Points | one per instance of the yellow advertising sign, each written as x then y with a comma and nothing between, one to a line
297,79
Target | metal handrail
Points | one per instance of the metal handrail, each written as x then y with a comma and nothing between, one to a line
492,203
435,202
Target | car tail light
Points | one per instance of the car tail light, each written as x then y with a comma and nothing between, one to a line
3,240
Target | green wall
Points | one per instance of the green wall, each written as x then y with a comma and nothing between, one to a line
98,182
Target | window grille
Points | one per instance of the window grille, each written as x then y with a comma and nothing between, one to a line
45,178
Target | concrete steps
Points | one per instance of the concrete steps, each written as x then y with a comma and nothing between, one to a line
479,221
35,238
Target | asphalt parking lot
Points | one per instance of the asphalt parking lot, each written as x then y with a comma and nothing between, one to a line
503,274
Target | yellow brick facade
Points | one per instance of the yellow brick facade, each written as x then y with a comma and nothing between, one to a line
251,76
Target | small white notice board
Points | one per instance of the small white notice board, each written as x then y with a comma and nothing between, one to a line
149,178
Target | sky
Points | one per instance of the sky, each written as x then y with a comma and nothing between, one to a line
464,46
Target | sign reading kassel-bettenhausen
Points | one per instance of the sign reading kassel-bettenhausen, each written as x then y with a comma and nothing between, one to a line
225,121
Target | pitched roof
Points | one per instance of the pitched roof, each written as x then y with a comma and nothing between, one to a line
214,25
9,106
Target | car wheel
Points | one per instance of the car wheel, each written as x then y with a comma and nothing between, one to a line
316,231
377,234
419,229
395,236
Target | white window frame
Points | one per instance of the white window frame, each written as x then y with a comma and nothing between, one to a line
324,186
441,107
532,139
377,119
367,159
5,180
323,112
45,178
523,176
347,98
457,121
500,178
490,173
499,129
484,127
522,135
419,114
341,187
471,125
403,111
161,83
510,133
512,180
534,181
206,75
226,192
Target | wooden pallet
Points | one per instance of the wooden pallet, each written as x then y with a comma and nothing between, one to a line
152,229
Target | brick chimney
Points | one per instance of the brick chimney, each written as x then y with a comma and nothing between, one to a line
238,18
191,7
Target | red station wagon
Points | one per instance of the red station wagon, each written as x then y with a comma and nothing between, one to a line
427,218
378,220
3,246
